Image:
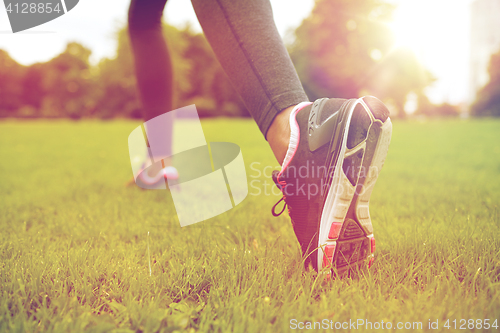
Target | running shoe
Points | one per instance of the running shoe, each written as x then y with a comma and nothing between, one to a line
336,151
156,181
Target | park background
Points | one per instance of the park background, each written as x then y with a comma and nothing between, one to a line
372,47
80,251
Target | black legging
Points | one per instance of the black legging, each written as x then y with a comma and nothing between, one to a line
246,42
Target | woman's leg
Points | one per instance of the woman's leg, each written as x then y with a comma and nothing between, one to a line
152,61
245,39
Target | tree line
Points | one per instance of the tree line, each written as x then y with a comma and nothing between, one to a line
69,86
344,49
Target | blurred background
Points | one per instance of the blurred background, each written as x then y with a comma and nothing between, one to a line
424,58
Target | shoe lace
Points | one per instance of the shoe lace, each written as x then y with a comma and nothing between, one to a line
276,204
281,184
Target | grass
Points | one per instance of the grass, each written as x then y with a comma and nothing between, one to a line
73,239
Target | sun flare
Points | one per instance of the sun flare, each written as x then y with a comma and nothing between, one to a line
414,25
437,31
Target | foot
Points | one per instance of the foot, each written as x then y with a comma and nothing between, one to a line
154,176
337,149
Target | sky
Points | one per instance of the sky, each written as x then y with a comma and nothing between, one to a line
437,30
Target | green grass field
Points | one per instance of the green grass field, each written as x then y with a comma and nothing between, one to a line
74,244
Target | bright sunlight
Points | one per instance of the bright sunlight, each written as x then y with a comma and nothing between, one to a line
438,32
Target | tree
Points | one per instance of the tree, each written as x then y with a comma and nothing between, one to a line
68,84
488,99
33,91
11,85
118,95
337,46
210,88
345,49
396,75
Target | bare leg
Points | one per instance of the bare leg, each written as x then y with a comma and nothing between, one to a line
278,134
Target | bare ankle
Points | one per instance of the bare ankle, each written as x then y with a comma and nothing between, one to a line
278,134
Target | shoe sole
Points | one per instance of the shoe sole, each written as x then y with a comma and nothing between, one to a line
345,240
